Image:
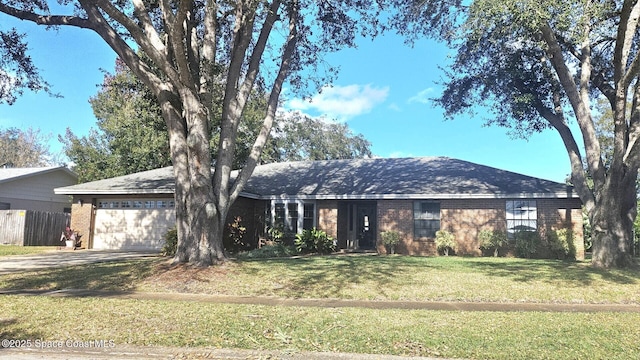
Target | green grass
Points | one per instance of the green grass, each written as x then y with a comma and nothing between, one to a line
453,334
471,335
357,277
411,278
10,250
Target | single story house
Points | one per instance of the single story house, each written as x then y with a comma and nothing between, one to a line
33,188
352,200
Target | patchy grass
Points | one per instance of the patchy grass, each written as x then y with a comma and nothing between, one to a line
470,335
373,277
10,250
112,276
367,277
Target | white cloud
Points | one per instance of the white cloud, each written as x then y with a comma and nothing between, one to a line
422,97
342,102
400,154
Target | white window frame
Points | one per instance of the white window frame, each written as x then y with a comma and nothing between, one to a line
287,218
523,213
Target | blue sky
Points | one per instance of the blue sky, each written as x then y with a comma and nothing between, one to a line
382,91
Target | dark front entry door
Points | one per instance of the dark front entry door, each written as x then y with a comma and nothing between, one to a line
366,225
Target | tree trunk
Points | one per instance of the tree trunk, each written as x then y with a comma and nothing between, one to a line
199,220
612,222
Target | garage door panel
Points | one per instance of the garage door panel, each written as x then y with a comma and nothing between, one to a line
126,229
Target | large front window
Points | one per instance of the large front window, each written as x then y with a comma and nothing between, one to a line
286,216
426,219
522,215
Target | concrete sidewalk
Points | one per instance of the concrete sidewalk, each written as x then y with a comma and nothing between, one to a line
336,303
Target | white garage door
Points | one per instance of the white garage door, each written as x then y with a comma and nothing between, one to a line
132,229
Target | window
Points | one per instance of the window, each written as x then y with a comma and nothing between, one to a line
291,217
309,216
426,219
137,204
126,204
522,215
149,204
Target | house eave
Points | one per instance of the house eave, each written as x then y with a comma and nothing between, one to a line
421,196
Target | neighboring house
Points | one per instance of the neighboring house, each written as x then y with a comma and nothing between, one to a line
32,188
352,200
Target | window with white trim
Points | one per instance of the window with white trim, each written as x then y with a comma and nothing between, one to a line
426,219
284,215
522,215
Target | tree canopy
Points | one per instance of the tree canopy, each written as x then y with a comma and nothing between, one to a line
24,148
131,135
203,52
541,65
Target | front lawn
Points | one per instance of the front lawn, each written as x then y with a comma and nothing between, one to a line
9,250
459,334
368,277
451,334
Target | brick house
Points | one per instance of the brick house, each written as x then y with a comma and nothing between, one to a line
352,200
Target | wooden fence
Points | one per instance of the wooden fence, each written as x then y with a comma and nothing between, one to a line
32,228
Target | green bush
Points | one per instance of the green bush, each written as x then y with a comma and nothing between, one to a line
170,242
314,241
561,244
269,251
390,239
492,240
234,236
445,241
527,243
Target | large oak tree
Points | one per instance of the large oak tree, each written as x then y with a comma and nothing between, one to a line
541,64
194,46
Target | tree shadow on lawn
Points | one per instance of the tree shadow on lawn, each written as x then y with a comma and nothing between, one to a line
11,330
107,276
552,271
332,276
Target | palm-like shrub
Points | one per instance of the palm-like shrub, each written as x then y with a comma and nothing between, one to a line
492,240
390,239
445,241
314,241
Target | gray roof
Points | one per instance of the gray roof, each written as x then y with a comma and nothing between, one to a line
13,174
424,177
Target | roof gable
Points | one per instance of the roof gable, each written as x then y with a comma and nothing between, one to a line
13,174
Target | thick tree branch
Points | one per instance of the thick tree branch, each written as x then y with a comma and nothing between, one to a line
140,11
256,150
50,20
581,111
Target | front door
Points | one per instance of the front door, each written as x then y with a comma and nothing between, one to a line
366,225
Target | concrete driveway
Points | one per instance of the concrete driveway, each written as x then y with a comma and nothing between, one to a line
9,264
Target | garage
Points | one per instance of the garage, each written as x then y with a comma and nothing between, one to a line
122,224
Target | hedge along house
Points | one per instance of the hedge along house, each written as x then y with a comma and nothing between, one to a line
352,200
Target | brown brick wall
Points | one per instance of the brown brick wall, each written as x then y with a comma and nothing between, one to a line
555,214
466,217
81,220
327,213
251,213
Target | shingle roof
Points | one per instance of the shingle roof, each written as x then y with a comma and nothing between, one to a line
396,178
12,174
157,181
434,177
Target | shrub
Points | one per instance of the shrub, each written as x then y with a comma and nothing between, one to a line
527,243
269,251
445,241
492,240
561,244
314,241
390,239
234,236
170,242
